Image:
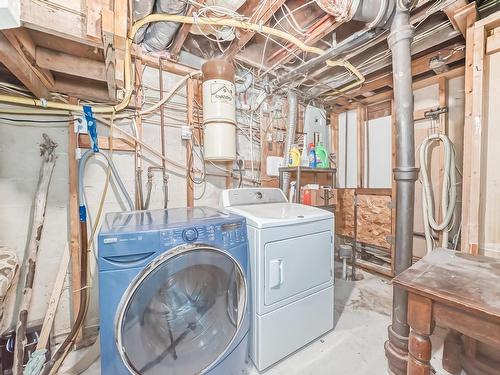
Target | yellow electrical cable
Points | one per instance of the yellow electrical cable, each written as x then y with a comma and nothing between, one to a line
42,103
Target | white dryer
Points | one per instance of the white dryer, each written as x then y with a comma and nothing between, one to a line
291,264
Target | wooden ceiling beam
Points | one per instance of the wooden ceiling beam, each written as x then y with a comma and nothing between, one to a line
19,65
82,89
244,36
69,64
343,104
458,12
419,66
451,10
21,40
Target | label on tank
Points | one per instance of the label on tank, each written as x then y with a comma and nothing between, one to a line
221,92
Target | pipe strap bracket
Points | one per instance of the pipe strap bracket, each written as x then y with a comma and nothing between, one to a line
401,33
405,173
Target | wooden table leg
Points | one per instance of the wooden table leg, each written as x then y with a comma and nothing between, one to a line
421,323
453,351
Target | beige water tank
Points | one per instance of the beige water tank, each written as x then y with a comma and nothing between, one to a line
219,110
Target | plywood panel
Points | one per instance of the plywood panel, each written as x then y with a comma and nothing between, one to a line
374,220
344,220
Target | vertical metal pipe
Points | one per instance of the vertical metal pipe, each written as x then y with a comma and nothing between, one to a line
290,135
162,140
405,175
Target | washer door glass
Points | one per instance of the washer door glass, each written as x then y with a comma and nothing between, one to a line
182,313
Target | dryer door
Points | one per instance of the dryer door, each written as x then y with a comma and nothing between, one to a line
182,312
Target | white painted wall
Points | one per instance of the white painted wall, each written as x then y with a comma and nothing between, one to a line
378,150
347,160
19,166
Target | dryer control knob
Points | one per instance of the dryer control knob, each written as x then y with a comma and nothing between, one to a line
190,234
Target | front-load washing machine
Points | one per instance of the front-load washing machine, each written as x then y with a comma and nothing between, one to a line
173,292
291,262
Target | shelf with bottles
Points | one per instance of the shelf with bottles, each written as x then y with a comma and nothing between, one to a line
301,176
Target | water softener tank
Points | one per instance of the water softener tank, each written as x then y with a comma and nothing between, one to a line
219,112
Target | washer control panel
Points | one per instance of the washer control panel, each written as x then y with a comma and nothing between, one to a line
227,234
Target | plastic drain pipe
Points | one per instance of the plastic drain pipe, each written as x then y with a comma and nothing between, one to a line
405,174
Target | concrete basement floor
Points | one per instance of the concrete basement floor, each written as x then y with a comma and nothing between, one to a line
354,347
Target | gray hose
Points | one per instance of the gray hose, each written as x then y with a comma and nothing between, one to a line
81,173
247,83
290,134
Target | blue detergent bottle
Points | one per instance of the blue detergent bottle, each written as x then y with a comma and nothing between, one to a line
312,156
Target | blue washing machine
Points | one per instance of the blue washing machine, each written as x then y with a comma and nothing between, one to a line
173,292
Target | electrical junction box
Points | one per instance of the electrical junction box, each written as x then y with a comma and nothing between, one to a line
10,14
186,133
80,124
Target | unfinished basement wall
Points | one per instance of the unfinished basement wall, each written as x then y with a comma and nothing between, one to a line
378,150
19,166
425,99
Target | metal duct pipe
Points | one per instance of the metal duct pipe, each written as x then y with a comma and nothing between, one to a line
375,13
290,134
347,44
141,9
405,175
159,34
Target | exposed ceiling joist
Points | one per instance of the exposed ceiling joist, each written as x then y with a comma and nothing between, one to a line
82,89
14,58
69,64
243,37
183,32
344,104
324,27
458,12
419,66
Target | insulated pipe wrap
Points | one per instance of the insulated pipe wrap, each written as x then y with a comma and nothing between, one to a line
141,9
373,12
159,34
342,10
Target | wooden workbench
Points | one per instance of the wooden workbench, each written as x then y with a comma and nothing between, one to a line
458,291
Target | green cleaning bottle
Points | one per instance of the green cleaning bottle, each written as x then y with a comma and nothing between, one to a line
321,156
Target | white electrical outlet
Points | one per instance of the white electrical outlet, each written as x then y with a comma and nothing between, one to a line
186,133
78,153
80,124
